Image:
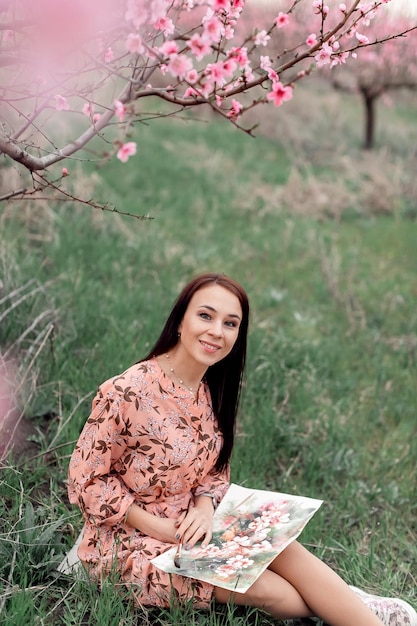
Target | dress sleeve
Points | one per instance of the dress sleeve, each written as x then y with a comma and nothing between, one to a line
214,483
100,493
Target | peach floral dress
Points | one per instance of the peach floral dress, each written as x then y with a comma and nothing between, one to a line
149,442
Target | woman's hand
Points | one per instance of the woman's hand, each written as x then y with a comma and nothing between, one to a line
196,524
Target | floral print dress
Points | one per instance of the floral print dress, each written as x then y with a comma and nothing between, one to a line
149,442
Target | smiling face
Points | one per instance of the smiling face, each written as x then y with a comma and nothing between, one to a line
209,328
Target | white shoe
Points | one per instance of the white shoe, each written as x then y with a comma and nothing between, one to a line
391,611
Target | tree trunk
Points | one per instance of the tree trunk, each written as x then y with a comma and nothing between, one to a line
369,103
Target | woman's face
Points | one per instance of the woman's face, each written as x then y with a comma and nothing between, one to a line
210,326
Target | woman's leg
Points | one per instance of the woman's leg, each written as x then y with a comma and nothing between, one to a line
297,584
271,593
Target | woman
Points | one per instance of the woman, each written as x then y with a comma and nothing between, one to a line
152,463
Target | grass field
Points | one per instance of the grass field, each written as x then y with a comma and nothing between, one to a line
323,236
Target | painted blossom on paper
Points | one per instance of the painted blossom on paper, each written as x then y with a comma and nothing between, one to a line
251,527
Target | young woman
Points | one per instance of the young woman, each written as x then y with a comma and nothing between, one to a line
152,463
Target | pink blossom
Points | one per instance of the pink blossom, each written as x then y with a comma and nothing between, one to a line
248,74
318,6
282,19
88,109
213,28
219,100
199,46
221,5
236,109
119,110
229,32
64,172
96,118
261,38
168,48
342,7
134,44
192,77
324,55
339,59
108,55
158,9
265,62
190,92
311,40
61,103
126,150
363,39
216,73
229,66
179,65
272,75
280,93
165,24
240,55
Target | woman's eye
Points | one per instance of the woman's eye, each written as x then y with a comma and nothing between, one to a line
231,324
205,316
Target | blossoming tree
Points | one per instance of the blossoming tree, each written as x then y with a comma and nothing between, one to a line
380,68
76,72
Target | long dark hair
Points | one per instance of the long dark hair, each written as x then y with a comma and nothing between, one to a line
225,377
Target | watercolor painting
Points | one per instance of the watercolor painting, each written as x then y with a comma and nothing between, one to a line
250,528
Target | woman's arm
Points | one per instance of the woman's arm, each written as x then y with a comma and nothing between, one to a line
101,494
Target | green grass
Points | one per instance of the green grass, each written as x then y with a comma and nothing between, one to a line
329,405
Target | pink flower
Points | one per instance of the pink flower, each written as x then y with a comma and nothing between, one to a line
165,24
261,38
229,32
265,62
240,55
324,55
363,39
280,93
126,150
199,46
311,40
282,19
221,5
134,44
119,110
318,6
64,172
96,117
61,103
179,65
213,28
168,48
192,76
88,109
216,73
108,55
235,110
272,75
342,7
190,92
